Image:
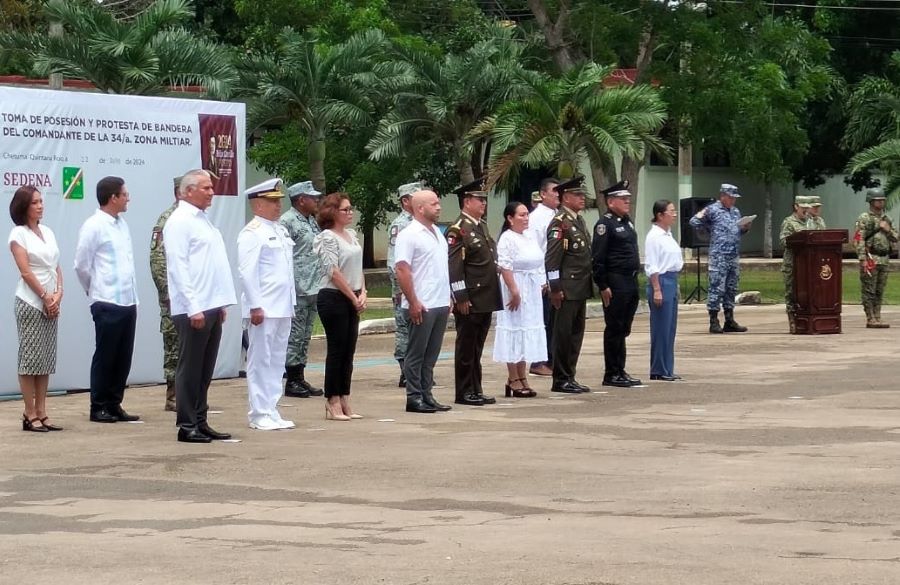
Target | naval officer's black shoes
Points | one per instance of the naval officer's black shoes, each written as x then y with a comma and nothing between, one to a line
192,436
585,389
123,416
634,381
213,434
471,400
419,405
103,416
619,381
430,401
567,388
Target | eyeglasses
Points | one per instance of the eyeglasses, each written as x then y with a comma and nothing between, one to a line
346,210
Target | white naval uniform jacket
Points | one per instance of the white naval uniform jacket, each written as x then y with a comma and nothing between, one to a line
266,269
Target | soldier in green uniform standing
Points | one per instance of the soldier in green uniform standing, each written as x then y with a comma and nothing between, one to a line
815,221
568,265
401,320
300,221
795,222
874,236
475,287
166,327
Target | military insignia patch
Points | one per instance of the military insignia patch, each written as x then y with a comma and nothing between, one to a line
394,232
451,239
601,229
555,233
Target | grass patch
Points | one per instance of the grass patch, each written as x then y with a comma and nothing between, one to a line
365,316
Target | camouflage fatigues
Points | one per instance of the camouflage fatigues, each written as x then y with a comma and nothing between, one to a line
724,254
307,280
791,225
158,272
401,319
873,245
818,223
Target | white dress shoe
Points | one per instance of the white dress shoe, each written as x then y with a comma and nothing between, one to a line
265,423
286,424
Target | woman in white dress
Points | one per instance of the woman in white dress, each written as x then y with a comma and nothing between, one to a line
520,337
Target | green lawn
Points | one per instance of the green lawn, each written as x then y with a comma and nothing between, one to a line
365,316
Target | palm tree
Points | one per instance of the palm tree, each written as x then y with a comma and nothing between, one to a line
570,121
319,87
443,98
873,129
144,55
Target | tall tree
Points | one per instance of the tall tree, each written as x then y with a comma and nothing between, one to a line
146,55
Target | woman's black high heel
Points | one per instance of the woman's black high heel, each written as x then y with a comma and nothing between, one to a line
28,425
49,426
519,393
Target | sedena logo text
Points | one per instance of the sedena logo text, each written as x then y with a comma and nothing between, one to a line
11,179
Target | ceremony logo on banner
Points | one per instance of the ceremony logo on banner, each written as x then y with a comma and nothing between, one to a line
218,143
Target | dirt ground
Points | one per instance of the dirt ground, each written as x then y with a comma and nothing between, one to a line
774,461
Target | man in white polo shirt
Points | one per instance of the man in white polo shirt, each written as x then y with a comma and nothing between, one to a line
200,288
104,263
420,256
538,221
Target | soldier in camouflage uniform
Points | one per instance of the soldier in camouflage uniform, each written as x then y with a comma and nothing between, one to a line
814,220
873,239
795,222
401,320
166,326
721,220
300,221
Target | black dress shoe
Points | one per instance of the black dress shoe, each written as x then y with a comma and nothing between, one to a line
313,391
419,406
487,399
471,400
663,377
213,434
103,416
617,381
123,416
437,405
582,386
634,381
567,388
192,436
296,392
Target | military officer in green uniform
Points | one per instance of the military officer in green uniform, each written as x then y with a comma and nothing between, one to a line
875,234
300,221
797,221
568,265
475,287
166,327
814,218
401,320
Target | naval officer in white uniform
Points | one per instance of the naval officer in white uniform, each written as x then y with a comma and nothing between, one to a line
265,265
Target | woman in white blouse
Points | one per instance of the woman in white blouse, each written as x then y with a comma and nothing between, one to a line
662,263
38,296
520,336
340,300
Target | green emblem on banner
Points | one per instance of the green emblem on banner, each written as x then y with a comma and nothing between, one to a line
73,183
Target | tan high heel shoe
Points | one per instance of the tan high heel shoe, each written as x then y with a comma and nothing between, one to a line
331,416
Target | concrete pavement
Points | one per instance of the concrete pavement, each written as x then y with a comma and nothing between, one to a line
774,461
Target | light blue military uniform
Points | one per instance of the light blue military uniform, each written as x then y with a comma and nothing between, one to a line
724,253
401,320
307,280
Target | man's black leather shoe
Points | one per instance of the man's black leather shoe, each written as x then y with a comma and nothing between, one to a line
213,434
634,381
192,436
617,381
102,416
663,377
581,386
471,400
296,392
419,406
123,416
567,388
487,399
312,390
437,405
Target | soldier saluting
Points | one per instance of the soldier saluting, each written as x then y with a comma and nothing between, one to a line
475,288
568,264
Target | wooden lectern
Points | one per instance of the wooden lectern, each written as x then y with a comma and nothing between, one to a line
817,280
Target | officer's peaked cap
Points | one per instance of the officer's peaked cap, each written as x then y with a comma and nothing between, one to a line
476,188
271,189
620,189
573,185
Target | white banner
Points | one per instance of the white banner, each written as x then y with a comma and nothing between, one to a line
63,143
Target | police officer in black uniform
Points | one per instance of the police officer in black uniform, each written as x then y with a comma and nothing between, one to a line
616,263
568,265
475,286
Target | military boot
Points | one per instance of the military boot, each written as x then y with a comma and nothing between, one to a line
879,324
402,382
870,317
310,389
792,323
170,396
731,326
294,386
714,326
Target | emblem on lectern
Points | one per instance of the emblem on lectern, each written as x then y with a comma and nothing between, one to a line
825,272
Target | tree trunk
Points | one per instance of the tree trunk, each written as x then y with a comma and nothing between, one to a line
602,180
56,79
368,245
464,167
767,222
316,152
564,56
631,172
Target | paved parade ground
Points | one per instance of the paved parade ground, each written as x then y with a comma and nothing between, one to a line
775,461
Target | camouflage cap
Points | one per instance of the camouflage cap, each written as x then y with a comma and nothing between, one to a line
409,188
874,193
802,201
536,197
729,189
815,201
304,188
